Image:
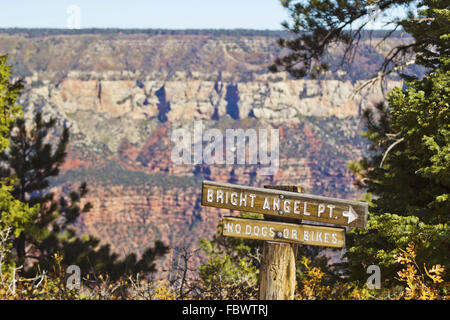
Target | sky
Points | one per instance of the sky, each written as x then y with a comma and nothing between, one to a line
160,14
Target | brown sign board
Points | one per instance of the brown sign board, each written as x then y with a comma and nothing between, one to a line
285,232
286,204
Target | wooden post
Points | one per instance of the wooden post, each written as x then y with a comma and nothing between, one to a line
277,278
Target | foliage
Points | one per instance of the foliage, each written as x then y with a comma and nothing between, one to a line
117,176
418,122
420,285
231,270
418,282
38,224
9,92
34,161
426,284
320,25
311,285
53,285
15,215
43,287
409,172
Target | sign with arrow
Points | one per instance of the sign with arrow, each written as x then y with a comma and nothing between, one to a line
292,205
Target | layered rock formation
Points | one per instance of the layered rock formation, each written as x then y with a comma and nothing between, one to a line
128,103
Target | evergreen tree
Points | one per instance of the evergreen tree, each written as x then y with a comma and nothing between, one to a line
407,172
34,161
14,214
321,24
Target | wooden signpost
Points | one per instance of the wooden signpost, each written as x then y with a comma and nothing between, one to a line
287,204
284,209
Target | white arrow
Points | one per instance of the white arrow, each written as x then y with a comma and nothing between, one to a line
350,214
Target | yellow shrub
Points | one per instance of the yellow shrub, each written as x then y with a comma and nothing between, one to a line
419,285
312,287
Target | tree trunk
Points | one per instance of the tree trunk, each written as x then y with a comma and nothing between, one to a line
20,247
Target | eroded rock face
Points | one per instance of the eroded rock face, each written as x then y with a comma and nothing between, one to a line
135,102
196,99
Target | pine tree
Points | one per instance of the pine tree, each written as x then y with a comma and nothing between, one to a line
407,171
408,175
14,214
34,160
321,24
